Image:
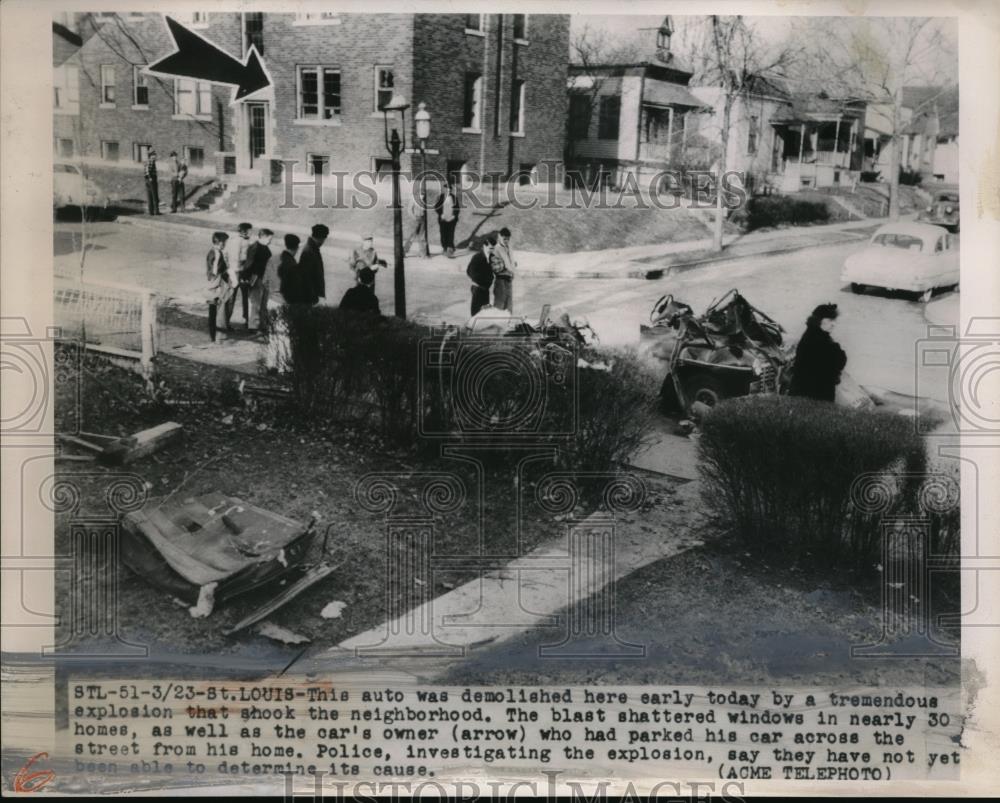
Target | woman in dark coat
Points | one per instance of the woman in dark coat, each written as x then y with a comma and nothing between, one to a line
818,358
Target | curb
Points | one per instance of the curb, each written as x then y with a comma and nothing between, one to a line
677,267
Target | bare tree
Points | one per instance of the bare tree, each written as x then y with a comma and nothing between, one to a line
874,59
728,52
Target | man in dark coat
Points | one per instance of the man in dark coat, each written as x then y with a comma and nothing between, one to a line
480,273
361,297
311,263
819,360
292,285
447,210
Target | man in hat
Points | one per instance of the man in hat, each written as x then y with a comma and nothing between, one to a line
152,183
180,171
503,266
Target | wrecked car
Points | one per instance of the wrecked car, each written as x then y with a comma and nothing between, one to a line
207,550
732,349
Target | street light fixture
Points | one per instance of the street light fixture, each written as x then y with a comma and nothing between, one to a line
396,145
423,121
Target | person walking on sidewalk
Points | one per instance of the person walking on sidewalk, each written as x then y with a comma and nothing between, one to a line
480,273
503,266
311,263
258,255
180,171
819,360
152,184
447,211
219,285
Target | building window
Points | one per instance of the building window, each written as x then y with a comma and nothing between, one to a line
140,87
527,175
382,168
193,19
517,108
475,23
192,97
319,93
607,124
473,98
109,150
318,164
318,18
752,136
107,84
195,157
520,26
64,148
579,116
140,152
384,82
253,32
66,88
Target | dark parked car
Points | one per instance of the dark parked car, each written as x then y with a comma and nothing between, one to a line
943,210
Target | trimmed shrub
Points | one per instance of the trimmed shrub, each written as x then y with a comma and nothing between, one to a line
788,473
775,210
911,178
418,387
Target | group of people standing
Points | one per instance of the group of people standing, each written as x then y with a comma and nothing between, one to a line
178,173
265,281
492,267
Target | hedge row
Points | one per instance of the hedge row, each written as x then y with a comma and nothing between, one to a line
811,480
775,210
418,387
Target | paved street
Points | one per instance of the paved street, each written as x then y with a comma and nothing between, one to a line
878,332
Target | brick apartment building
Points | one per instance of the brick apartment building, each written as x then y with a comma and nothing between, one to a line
494,84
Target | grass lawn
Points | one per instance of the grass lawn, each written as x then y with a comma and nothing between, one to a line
262,454
713,615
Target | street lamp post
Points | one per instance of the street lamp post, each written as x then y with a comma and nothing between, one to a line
423,121
396,145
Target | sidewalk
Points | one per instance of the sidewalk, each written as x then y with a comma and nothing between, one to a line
652,261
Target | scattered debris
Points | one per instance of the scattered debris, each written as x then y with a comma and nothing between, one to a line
206,602
125,450
333,610
282,634
310,578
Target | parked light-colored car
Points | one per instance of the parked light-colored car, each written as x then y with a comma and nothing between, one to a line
72,188
916,257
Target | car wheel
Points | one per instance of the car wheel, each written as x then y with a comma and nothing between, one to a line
857,287
705,388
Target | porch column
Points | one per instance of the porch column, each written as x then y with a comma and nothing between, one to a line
852,142
802,140
670,132
836,141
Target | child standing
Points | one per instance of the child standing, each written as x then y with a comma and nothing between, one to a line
220,290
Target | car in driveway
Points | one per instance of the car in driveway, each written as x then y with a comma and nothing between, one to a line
915,257
72,189
942,210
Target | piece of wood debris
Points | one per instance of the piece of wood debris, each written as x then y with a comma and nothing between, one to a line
125,450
